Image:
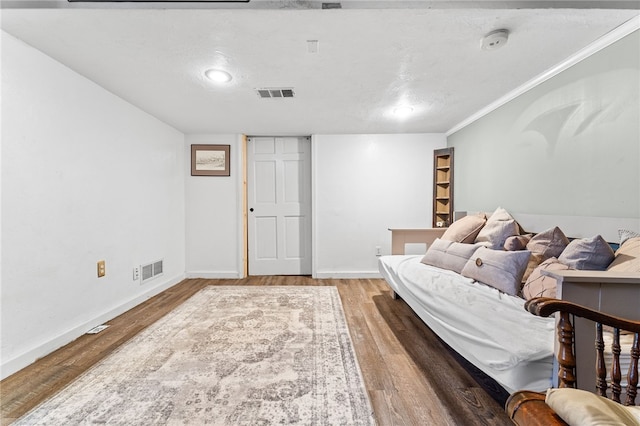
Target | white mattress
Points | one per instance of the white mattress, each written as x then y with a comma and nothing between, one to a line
490,329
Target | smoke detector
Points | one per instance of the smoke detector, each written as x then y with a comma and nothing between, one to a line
495,39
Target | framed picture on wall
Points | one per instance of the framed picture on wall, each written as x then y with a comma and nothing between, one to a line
210,160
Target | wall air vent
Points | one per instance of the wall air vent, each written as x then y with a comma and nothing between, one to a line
275,92
332,5
151,271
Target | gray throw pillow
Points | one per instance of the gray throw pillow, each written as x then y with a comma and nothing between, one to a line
499,269
448,255
588,254
498,228
549,243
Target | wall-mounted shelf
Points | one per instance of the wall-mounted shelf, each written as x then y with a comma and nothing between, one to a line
442,187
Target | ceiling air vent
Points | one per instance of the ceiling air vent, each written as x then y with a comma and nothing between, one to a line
275,93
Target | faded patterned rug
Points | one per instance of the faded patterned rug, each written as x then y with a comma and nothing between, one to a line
227,356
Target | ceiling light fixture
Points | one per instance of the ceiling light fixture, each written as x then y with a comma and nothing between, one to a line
495,39
402,111
218,76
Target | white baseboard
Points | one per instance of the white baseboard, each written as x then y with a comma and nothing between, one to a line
29,357
347,274
214,275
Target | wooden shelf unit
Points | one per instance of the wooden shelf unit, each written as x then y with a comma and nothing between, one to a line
442,187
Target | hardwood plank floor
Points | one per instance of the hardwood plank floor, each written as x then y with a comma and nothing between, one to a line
410,376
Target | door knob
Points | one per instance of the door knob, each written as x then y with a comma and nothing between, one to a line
251,209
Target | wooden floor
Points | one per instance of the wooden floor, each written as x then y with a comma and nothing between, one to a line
410,376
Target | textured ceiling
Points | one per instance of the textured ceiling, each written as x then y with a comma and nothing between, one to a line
370,60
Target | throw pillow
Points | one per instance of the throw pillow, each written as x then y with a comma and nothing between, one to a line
583,408
448,255
465,229
625,234
517,242
549,243
627,256
540,285
499,269
498,228
534,261
588,254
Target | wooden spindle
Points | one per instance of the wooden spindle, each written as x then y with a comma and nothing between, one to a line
601,368
632,375
616,375
566,357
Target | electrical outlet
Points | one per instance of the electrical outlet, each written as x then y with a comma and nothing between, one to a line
136,273
378,251
102,268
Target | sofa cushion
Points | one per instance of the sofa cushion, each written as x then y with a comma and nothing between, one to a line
448,254
627,257
540,285
583,408
465,229
498,268
498,228
588,254
549,243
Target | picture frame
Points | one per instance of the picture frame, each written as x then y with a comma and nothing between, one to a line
210,160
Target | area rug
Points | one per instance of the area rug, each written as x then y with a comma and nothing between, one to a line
229,355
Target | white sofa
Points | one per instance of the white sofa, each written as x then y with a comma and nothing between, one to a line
479,322
490,328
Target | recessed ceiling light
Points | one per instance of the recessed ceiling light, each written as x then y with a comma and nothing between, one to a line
402,111
218,76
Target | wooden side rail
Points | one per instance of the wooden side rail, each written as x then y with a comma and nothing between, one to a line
400,237
545,307
529,408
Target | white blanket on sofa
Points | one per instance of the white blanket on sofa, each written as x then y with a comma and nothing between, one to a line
490,329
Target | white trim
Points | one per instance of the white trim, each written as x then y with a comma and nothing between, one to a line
348,275
240,165
215,275
608,39
29,357
314,204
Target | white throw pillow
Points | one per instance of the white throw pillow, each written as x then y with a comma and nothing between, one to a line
581,408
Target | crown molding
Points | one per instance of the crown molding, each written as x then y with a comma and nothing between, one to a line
604,41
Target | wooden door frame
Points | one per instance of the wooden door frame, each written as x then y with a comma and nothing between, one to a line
245,216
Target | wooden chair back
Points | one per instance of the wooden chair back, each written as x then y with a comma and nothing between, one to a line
528,408
605,380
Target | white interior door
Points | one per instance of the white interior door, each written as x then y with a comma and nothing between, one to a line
279,202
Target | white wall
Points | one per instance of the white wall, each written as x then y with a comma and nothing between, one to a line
85,177
214,214
363,185
570,146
